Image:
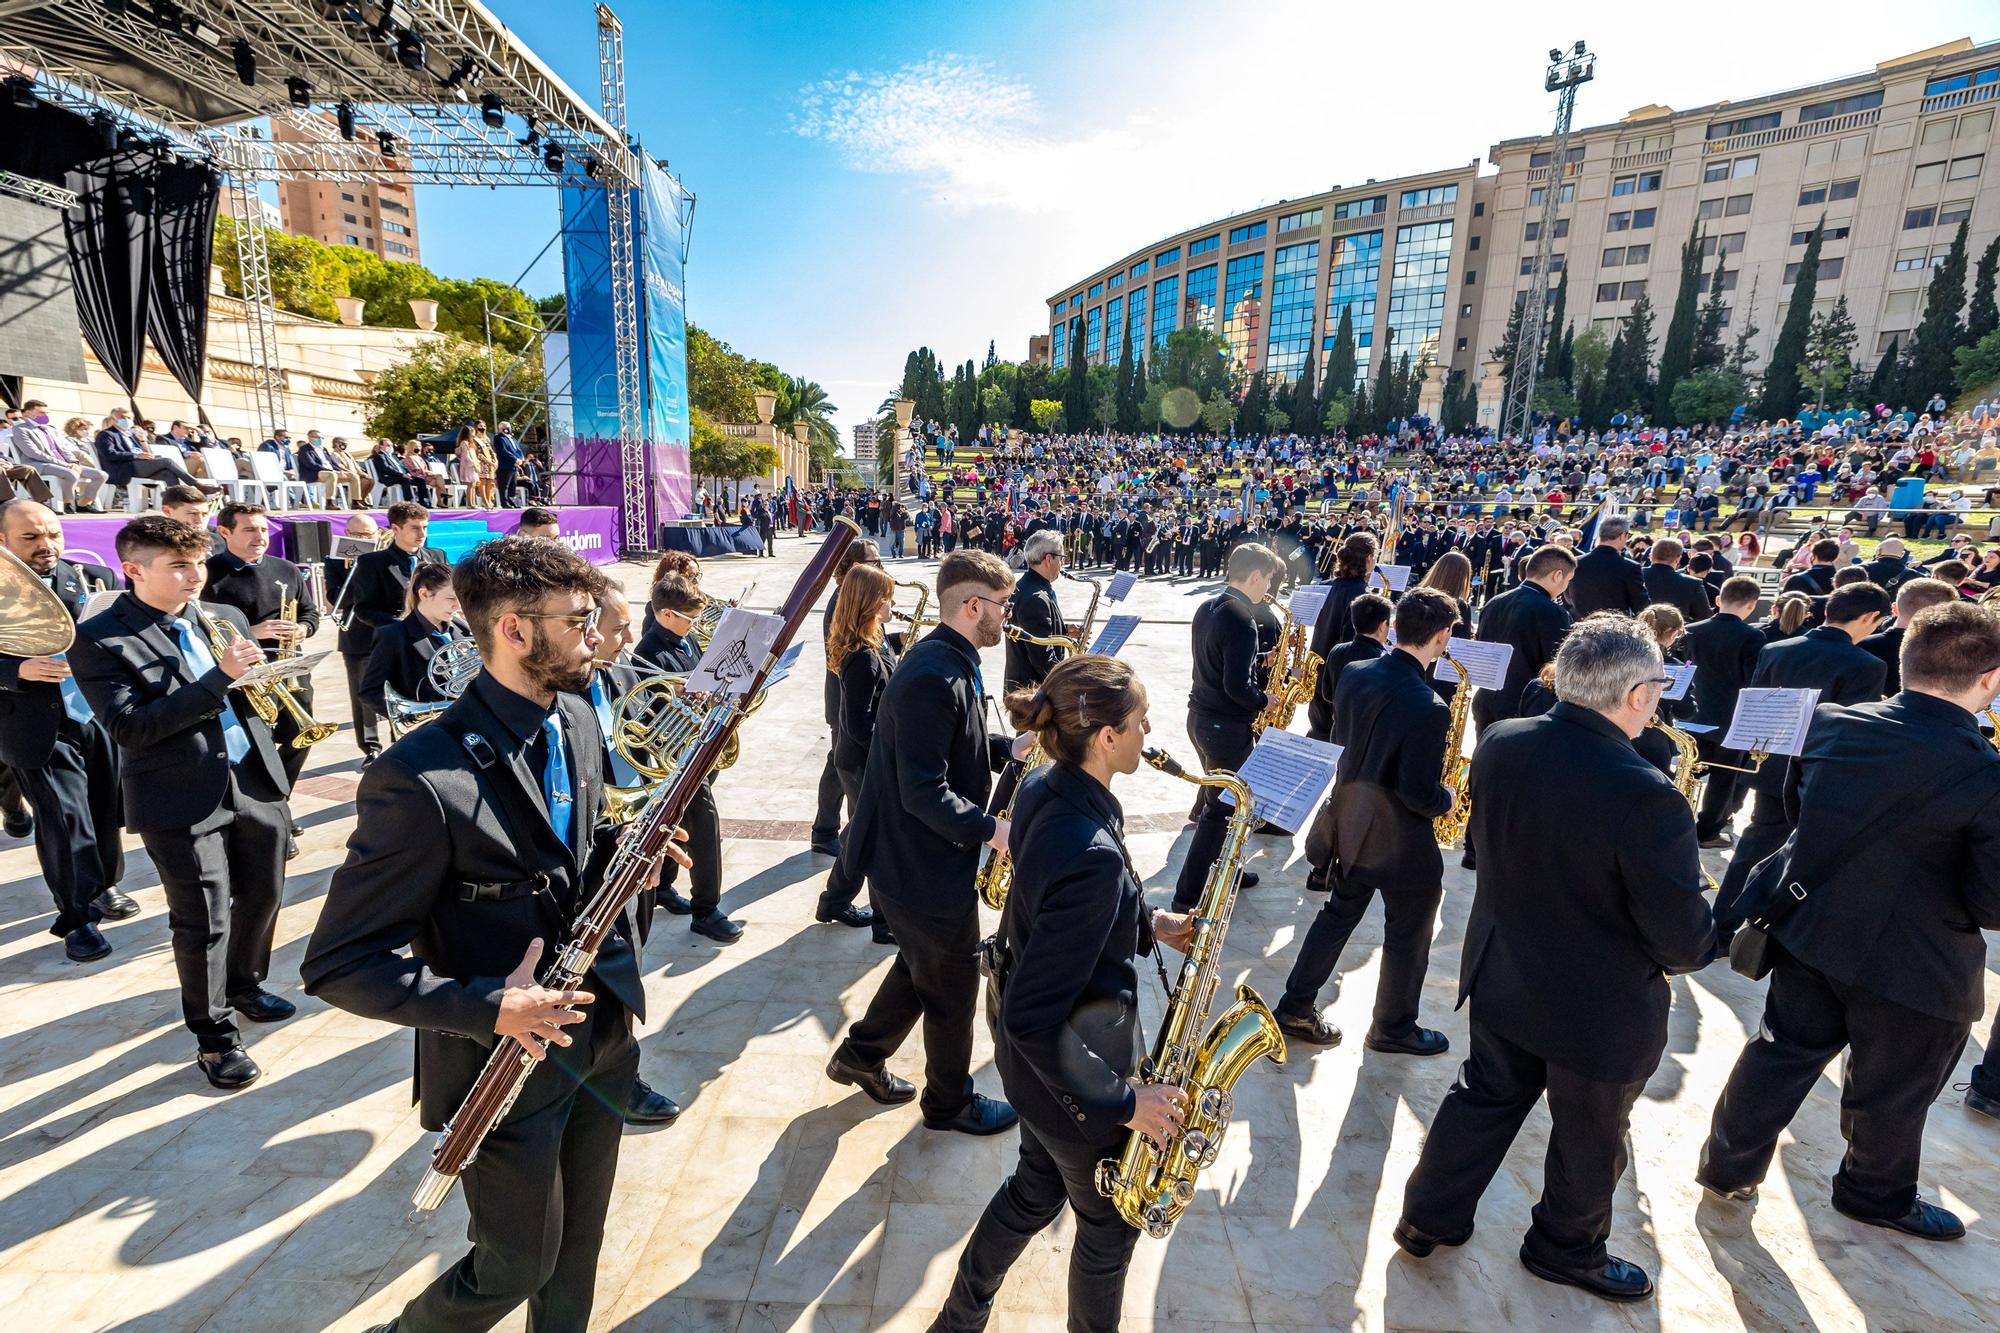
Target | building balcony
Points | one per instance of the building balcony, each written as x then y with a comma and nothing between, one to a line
1657,157
1736,143
1957,98
1571,172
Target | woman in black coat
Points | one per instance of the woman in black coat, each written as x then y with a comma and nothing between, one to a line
1065,1018
401,656
860,657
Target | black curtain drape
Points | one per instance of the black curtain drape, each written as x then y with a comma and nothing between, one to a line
110,257
10,391
184,203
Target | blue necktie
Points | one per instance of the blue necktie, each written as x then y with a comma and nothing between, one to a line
555,781
194,647
74,703
622,773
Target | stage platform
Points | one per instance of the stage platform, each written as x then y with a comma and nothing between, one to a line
589,530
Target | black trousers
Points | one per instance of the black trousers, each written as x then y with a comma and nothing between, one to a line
363,715
1497,1086
1723,793
1898,1062
293,760
537,1194
842,888
826,814
78,814
704,847
223,890
1051,1173
1221,743
1408,914
1766,834
13,803
935,977
1986,1074
503,476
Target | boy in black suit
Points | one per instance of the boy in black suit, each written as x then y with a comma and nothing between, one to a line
204,787
246,576
374,594
1369,613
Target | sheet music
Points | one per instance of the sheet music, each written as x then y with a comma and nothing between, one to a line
1774,721
1680,675
1486,663
282,669
738,647
1288,776
1114,634
1308,600
1398,576
349,548
1121,584
96,603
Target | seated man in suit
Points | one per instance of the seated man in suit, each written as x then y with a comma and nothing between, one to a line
1666,584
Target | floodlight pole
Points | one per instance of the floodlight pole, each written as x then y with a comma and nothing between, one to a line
260,317
1565,74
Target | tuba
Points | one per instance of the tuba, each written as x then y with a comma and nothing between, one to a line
1450,826
33,620
1151,1184
1294,676
269,698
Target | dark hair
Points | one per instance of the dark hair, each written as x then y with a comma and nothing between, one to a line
1370,612
961,567
229,513
862,550
1667,551
1351,561
423,579
1847,574
183,495
407,511
1550,559
1953,572
1251,557
1699,565
1421,613
673,593
151,534
1824,550
1082,694
538,516
515,574
1948,647
1738,588
1855,601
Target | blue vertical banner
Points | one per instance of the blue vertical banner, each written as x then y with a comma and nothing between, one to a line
666,216
586,466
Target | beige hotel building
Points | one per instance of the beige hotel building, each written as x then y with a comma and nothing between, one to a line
1892,159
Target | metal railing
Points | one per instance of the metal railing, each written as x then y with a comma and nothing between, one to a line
1811,129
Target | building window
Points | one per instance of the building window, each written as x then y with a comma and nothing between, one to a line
1950,215
1294,279
1843,190
1059,338
1533,231
1355,208
1919,217
1738,205
1473,244
1539,193
1135,320
1965,168
1607,291
1248,232
350,219
1743,167
1471,277
1927,173
1139,269
1166,257
1541,159
1479,208
1729,129
1623,185
1096,290
1732,244
1633,290
1417,289
1828,268
1907,260
1200,300
1242,296
1166,304
1465,311
1828,234
1093,333
1638,254
397,247
1717,170
1840,106
1204,245
1812,195
346,198
1528,264
1642,218
1952,83
1354,275
1114,282
1436,194
1461,344
1618,222
1708,210
1299,221
352,240
1729,277
1612,257
1114,329
396,227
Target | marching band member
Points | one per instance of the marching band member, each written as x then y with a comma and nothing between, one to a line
1064,1018
1035,610
375,593
915,835
1370,614
860,660
1531,617
1374,833
60,754
204,787
400,658
1352,565
826,811
1724,649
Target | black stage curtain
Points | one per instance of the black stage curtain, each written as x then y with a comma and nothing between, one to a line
111,246
184,202
10,391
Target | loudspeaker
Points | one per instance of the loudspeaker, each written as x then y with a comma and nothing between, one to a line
311,541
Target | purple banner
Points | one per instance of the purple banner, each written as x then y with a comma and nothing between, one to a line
590,531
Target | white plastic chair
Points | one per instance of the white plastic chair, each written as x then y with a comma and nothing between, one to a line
137,499
283,489
222,470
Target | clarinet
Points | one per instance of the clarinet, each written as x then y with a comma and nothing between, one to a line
631,870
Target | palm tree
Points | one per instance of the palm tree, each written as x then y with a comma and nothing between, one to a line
801,399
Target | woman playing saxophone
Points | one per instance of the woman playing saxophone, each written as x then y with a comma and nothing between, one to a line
1062,977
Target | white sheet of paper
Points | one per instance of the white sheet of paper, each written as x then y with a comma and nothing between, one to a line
1398,576
1694,728
96,602
1121,584
1773,721
285,668
1680,675
1486,663
1307,602
1288,776
1114,634
739,646
347,548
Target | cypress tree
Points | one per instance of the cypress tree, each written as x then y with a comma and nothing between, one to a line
1930,367
1128,389
1882,384
1565,370
1507,353
1357,418
1339,381
1558,313
1303,404
1677,352
1781,379
1708,353
1983,316
1076,388
1256,406
1385,397
1410,383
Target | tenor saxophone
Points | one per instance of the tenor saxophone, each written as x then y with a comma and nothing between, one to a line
1450,826
1294,676
1152,1184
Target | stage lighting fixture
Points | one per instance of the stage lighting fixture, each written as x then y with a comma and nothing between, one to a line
534,135
246,62
490,111
387,21
410,50
386,142
1555,56
552,157
344,113
1579,48
460,72
21,92
590,167
298,92
169,14
107,130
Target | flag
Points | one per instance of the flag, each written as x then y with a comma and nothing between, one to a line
1587,535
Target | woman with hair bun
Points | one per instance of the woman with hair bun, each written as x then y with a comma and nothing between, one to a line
1065,1009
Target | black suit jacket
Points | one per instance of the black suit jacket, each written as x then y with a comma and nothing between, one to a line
1535,623
1336,615
259,591
1890,572
31,711
1900,914
863,676
922,814
1724,650
1343,656
401,659
1036,612
1685,593
1607,581
1375,827
1584,904
1066,1031
377,589
465,907
173,762
1886,647
1824,659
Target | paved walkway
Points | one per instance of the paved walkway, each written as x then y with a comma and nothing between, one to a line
134,1197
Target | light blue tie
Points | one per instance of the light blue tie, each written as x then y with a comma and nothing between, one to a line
555,781
74,703
622,773
194,647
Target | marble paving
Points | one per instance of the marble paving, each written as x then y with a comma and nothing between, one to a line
133,1197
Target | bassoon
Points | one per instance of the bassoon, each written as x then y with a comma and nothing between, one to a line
639,851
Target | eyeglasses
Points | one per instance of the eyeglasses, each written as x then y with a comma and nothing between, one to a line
1000,602
1654,680
583,622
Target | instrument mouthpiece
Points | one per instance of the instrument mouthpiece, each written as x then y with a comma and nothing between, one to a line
1163,761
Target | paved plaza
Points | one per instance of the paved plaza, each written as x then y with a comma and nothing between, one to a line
132,1196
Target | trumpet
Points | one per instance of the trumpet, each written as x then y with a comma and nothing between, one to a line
269,698
288,609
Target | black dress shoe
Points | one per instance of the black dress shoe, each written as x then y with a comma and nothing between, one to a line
1617,1280
846,916
982,1115
1312,1029
882,934
1976,1100
114,906
826,846
1418,1243
1736,1194
1269,830
878,1083
1715,841
717,926
21,825
291,848
296,831
263,1007
1247,880
230,1069
646,1107
1925,1221
673,900
1418,1041
85,944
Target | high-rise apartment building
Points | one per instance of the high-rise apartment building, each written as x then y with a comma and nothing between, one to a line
377,217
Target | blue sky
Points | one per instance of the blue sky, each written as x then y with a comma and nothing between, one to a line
874,176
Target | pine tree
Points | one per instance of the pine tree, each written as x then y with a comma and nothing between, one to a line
1983,315
1781,380
1339,381
1882,384
1708,352
1938,334
1076,388
1677,352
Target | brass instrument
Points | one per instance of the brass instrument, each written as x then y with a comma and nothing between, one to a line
1993,720
452,670
916,619
1151,1184
712,611
288,609
268,698
995,873
1451,825
1090,612
33,620
654,727
1293,678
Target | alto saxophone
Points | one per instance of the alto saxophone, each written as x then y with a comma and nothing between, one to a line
1450,826
1090,613
1294,676
1151,1184
994,875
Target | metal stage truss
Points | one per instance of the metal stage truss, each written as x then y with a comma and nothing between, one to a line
438,92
